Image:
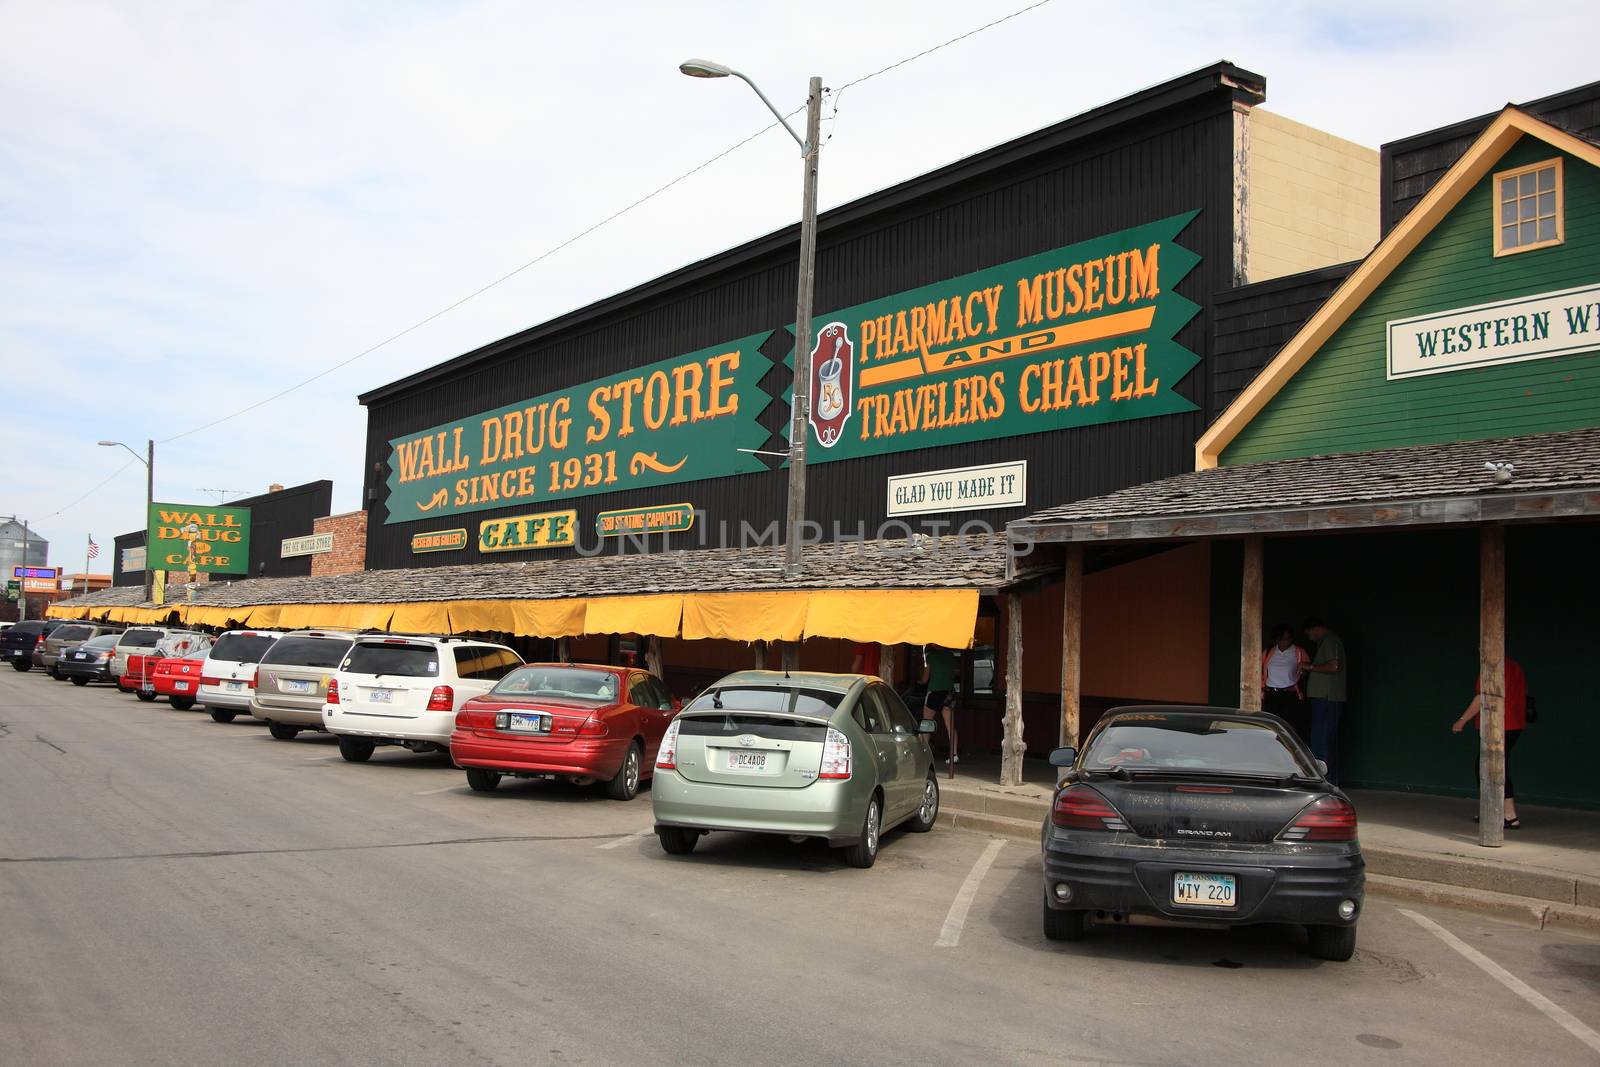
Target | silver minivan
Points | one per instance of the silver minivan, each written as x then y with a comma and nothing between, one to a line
135,641
292,679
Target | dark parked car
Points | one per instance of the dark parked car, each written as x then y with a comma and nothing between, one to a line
64,636
90,661
17,643
1208,814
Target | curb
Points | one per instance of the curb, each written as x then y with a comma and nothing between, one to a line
1539,914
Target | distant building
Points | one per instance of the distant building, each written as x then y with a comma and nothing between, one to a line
11,548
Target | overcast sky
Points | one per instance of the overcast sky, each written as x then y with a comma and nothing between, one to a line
203,203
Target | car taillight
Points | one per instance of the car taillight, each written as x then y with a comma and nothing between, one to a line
39,643
1324,819
333,691
835,756
255,678
208,680
593,727
667,756
443,698
1078,807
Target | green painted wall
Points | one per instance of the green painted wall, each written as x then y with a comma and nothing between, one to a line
1340,401
1406,605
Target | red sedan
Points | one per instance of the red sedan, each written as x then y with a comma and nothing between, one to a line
573,721
177,680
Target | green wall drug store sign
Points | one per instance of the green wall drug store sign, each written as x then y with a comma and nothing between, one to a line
220,536
1074,337
675,420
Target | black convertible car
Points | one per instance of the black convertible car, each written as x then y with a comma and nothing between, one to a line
1201,814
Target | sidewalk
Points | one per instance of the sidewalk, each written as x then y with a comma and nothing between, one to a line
1416,845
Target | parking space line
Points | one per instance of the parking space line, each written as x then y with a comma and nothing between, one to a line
1555,1012
950,933
435,792
619,842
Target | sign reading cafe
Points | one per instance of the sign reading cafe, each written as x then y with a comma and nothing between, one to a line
1077,336
214,540
675,420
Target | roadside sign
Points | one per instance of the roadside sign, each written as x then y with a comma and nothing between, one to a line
47,573
13,590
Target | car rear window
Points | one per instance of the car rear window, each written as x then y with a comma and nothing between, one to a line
794,701
308,651
732,724
241,648
103,641
140,638
1182,743
71,633
397,661
563,683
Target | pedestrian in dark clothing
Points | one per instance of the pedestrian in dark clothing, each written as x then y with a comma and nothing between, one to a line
1516,721
1326,686
1283,665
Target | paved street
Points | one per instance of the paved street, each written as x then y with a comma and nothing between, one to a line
177,891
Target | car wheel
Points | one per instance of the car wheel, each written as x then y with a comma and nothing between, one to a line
182,703
864,853
625,786
54,672
1337,943
222,715
482,779
1065,925
928,813
282,731
146,697
21,666
356,749
79,680
676,841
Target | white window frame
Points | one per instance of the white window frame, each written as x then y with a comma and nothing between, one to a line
1495,205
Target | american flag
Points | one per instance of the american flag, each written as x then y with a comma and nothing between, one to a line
94,549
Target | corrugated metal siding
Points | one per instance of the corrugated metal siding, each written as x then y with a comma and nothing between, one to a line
1341,400
1409,168
1252,323
1178,163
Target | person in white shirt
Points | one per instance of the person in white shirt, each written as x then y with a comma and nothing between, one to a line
1283,664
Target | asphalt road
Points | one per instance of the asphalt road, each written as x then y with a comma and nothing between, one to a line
177,891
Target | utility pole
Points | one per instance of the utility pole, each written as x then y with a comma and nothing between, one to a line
149,501
795,512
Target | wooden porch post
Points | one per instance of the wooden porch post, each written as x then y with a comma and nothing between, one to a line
758,651
1072,646
1492,686
1250,626
791,655
652,654
887,665
564,649
1012,748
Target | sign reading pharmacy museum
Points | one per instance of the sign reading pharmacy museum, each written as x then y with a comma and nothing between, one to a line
212,540
1506,331
994,485
1072,337
310,545
675,420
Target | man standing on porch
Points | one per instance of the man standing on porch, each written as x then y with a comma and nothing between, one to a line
1325,685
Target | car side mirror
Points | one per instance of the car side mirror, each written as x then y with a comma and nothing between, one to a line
926,726
1063,757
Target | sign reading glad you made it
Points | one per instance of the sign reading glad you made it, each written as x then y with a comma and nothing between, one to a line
1077,336
214,540
675,420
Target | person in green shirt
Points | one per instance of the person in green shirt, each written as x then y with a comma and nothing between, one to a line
939,675
1326,687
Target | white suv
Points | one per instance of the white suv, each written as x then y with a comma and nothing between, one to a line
229,674
406,691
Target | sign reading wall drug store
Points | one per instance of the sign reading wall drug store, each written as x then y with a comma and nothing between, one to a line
221,538
675,420
1505,331
309,545
439,541
663,518
993,485
1073,337
519,533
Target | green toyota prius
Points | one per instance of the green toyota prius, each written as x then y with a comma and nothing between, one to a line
835,756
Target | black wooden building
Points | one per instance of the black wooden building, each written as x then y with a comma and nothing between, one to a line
274,515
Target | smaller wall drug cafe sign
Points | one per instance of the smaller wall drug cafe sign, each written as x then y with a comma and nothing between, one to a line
1073,337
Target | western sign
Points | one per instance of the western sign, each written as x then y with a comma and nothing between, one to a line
675,420
1073,337
220,538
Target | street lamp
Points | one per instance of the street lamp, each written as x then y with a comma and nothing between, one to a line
795,511
149,461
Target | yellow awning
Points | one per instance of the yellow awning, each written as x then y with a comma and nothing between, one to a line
368,616
482,616
263,616
549,618
895,616
775,616
657,615
424,618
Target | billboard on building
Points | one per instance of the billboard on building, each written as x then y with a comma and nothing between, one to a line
199,539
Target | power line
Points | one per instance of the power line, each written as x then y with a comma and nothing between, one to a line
93,491
929,51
